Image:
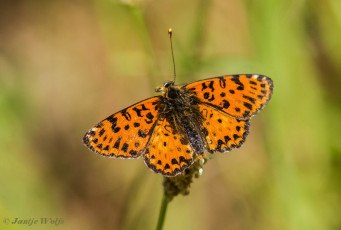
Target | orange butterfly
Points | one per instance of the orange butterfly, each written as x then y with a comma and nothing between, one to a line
167,130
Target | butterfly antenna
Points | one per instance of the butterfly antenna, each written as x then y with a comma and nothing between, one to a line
171,43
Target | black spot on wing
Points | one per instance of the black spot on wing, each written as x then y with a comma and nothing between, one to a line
203,86
248,105
204,131
126,114
183,159
150,118
116,129
112,120
236,80
212,98
117,143
211,86
260,97
246,114
101,132
219,144
227,139
133,152
251,99
150,115
184,141
226,104
206,95
222,82
125,147
141,134
138,110
174,161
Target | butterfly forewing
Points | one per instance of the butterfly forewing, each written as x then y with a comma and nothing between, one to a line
126,133
238,95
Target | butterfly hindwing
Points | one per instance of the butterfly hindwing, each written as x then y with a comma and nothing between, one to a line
125,133
241,96
168,151
222,131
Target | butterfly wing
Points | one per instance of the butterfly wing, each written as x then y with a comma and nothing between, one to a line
241,96
125,134
168,151
222,131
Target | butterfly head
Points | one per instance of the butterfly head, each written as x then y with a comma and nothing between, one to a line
163,88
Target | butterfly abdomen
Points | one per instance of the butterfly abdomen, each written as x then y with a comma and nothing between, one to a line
192,135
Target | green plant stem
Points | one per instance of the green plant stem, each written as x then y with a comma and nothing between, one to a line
163,209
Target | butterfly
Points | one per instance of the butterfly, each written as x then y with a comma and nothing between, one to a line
185,122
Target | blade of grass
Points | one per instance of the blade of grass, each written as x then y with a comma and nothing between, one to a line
163,210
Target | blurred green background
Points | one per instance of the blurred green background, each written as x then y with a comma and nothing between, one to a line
66,65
